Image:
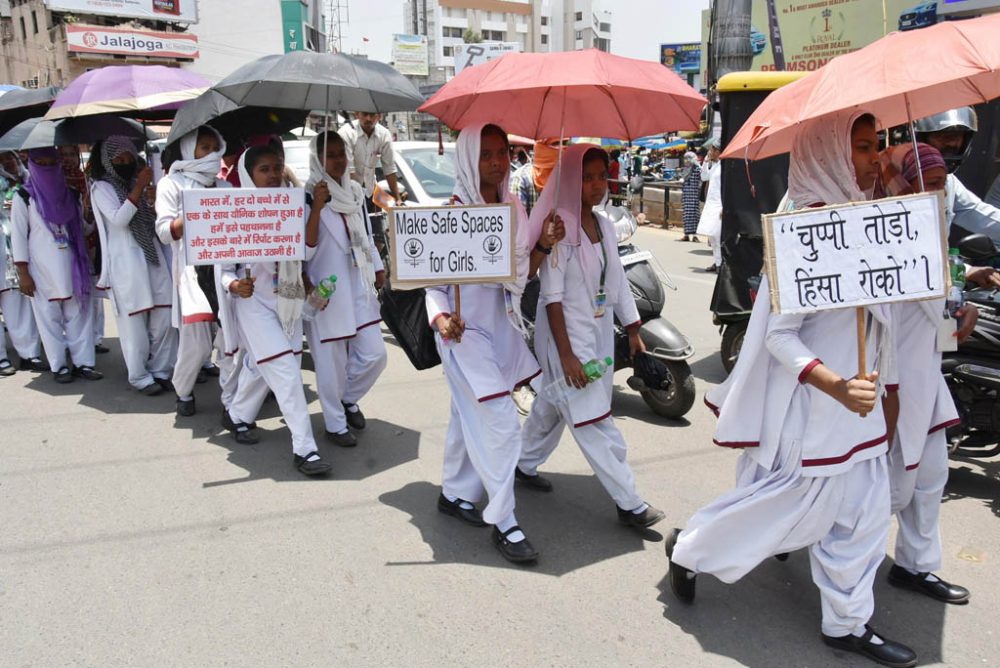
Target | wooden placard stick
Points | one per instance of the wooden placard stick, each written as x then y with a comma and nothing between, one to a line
458,307
862,347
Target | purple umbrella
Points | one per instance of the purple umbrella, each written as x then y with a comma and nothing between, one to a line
141,91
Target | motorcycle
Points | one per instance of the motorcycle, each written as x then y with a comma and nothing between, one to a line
973,371
664,342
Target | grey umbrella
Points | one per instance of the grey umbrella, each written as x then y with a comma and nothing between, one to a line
232,120
327,81
20,105
39,133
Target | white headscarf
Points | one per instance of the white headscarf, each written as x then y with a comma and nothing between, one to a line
820,172
347,198
291,291
569,208
200,170
22,173
467,191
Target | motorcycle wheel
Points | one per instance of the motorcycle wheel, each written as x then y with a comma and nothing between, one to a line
678,398
732,343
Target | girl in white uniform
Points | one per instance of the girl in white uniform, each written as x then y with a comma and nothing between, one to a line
710,223
918,459
813,473
581,294
51,256
345,338
16,308
134,264
485,357
270,323
191,311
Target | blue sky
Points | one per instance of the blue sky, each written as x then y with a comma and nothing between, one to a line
638,26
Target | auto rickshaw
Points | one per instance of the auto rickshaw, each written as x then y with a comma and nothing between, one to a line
740,93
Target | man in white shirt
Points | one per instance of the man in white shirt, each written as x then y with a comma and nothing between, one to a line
369,144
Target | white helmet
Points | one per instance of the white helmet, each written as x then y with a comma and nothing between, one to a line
961,120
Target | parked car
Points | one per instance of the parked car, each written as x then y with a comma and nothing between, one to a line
920,16
426,177
758,41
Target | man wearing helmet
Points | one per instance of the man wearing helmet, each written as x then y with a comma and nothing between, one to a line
951,133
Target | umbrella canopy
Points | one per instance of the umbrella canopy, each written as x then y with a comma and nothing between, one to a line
308,80
4,88
893,78
215,109
39,133
146,91
572,93
604,142
20,105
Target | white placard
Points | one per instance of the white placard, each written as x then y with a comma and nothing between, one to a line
470,55
174,11
876,252
447,245
243,225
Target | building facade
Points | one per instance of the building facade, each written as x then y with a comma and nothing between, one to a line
51,42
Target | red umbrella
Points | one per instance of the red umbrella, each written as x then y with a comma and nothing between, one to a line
899,78
574,93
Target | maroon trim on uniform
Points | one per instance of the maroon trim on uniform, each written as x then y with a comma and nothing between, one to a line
737,444
232,354
338,338
142,310
5,290
596,419
840,459
369,324
197,317
493,396
944,425
712,407
281,354
633,324
162,306
894,387
60,299
912,466
808,369
527,380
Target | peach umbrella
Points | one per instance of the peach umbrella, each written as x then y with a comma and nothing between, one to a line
900,78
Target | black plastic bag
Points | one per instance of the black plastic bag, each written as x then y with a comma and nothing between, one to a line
404,313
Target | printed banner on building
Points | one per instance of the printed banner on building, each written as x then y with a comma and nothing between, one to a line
681,58
409,54
241,225
447,245
179,11
470,55
96,39
877,252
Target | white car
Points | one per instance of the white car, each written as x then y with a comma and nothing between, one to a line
427,177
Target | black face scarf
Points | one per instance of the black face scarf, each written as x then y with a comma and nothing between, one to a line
125,172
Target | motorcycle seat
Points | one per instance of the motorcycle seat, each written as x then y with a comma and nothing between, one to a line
977,373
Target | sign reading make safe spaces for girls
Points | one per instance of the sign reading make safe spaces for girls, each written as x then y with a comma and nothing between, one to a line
449,245
877,252
243,225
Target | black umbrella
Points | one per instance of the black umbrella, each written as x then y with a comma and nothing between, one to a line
325,81
39,133
20,105
232,120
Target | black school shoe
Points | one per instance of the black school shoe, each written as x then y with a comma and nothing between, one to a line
355,420
63,376
185,408
682,580
521,552
889,653
454,508
316,467
87,372
536,482
646,518
936,589
34,364
6,368
229,425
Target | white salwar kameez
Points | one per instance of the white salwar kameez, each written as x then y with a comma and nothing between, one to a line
710,223
573,283
918,460
15,307
64,323
141,293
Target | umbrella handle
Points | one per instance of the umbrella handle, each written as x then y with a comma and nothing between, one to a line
554,257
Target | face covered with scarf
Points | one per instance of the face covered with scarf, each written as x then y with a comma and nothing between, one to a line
201,155
900,171
119,162
60,209
261,167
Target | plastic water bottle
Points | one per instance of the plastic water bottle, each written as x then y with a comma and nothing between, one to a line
956,295
319,297
556,391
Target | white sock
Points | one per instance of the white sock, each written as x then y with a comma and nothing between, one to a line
860,632
352,408
345,431
641,509
506,524
187,398
464,505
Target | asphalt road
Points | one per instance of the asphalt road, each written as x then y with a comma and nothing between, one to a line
129,537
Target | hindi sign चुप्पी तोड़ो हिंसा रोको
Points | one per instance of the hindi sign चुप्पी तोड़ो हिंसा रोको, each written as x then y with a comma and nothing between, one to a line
452,245
243,225
857,254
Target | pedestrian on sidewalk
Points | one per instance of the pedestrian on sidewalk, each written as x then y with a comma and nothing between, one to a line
690,196
710,223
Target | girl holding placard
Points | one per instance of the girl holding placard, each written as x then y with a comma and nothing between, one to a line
485,356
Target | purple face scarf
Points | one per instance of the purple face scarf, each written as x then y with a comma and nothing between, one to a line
59,207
